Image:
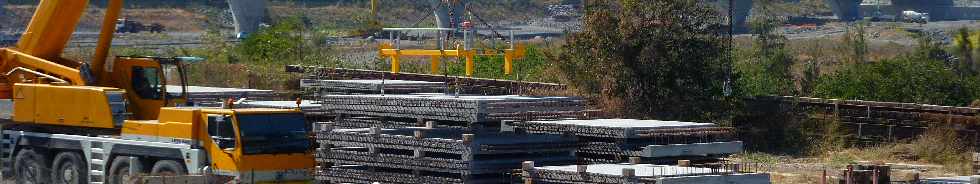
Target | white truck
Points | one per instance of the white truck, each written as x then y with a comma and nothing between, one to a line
914,17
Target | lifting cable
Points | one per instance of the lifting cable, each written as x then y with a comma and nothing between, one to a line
427,13
484,22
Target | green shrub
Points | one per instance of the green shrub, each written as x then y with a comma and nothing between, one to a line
906,79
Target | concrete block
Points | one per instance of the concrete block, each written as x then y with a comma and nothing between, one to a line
643,173
696,149
753,178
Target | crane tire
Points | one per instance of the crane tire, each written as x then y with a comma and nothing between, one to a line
69,168
119,171
168,168
31,167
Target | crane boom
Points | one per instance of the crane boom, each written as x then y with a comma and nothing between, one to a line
41,45
105,39
48,33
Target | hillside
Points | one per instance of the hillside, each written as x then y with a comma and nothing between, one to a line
196,16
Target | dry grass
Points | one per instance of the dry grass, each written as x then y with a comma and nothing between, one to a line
936,153
174,19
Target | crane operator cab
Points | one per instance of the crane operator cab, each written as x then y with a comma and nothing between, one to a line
151,82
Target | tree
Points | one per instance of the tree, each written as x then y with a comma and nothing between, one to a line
660,59
765,68
280,43
854,40
965,46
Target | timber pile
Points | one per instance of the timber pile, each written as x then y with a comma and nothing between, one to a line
446,155
451,110
638,173
347,87
616,140
872,122
467,85
910,113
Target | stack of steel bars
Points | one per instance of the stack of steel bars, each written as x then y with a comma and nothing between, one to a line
616,140
429,154
449,110
465,85
344,87
425,138
214,96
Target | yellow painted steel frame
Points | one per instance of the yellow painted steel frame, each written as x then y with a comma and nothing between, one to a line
77,106
386,50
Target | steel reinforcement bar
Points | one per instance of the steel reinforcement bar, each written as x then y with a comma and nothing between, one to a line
343,73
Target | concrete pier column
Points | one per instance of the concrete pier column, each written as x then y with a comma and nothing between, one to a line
248,15
742,10
846,10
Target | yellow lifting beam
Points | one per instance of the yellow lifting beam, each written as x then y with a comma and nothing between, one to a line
391,50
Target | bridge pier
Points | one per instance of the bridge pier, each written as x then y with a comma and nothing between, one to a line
248,15
846,10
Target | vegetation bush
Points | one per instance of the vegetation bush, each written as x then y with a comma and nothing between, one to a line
764,68
940,145
907,79
660,59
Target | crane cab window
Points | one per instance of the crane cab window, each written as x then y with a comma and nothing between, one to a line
175,81
146,82
221,130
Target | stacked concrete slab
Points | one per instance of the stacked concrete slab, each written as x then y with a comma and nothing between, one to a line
464,85
305,106
440,155
340,87
616,140
213,96
426,138
451,109
313,110
640,173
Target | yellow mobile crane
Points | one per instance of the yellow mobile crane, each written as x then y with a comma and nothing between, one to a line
71,122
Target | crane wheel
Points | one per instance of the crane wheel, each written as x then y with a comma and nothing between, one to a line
31,167
69,168
167,168
119,172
